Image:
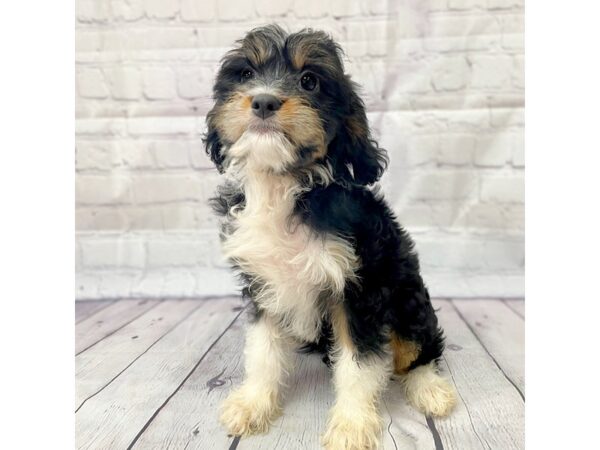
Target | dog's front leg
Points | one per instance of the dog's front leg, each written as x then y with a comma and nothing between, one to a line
359,379
268,354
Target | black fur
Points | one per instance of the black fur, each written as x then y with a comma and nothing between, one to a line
390,294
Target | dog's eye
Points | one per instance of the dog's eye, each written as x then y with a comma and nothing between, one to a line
308,82
246,75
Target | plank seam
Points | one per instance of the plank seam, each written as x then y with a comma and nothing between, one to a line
511,308
108,303
487,351
147,424
465,404
140,355
390,424
436,435
120,328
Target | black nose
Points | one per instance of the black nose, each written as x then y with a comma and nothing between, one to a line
265,105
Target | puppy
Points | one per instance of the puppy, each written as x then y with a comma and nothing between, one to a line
319,252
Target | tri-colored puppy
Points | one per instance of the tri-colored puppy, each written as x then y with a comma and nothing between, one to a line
321,255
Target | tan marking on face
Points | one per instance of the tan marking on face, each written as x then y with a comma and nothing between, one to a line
341,330
302,125
232,117
405,352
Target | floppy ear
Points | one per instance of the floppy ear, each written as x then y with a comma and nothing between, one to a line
353,146
212,142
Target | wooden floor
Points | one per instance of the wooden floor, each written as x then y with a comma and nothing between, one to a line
150,375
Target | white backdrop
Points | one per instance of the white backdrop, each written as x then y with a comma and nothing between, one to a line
443,81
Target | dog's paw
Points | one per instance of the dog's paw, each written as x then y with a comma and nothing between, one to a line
244,413
429,392
353,432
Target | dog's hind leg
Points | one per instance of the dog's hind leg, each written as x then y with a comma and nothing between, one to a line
428,391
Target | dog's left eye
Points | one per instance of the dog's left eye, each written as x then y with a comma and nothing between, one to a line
308,81
246,75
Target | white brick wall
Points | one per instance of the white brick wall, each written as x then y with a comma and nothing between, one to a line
444,85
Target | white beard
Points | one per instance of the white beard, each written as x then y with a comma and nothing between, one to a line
270,151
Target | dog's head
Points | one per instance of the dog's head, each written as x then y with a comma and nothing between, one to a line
284,104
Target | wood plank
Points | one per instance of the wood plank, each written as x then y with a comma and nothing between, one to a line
518,306
114,417
96,367
84,309
501,332
490,411
190,419
108,320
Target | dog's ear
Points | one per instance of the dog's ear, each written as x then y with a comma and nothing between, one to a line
212,142
355,157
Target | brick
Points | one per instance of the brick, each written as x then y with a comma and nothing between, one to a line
235,11
483,215
462,5
128,10
161,9
145,217
122,253
161,125
102,189
491,71
518,76
195,11
133,155
507,117
125,83
92,155
505,4
198,156
269,8
166,188
170,154
310,8
100,127
101,219
494,150
116,284
447,185
460,33
87,41
192,83
503,189
451,74
518,156
173,252
422,150
159,83
456,149
343,8
179,283
513,31
178,217
91,84
91,11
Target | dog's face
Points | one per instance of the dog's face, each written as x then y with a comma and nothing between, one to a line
284,104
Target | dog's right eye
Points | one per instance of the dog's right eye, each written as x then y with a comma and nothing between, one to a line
246,75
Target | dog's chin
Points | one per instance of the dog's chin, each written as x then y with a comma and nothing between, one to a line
263,147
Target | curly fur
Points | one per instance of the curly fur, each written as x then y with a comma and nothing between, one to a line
320,253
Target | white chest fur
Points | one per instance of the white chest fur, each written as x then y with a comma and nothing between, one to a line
293,267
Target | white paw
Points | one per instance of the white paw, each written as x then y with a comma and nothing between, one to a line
244,412
356,432
430,393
